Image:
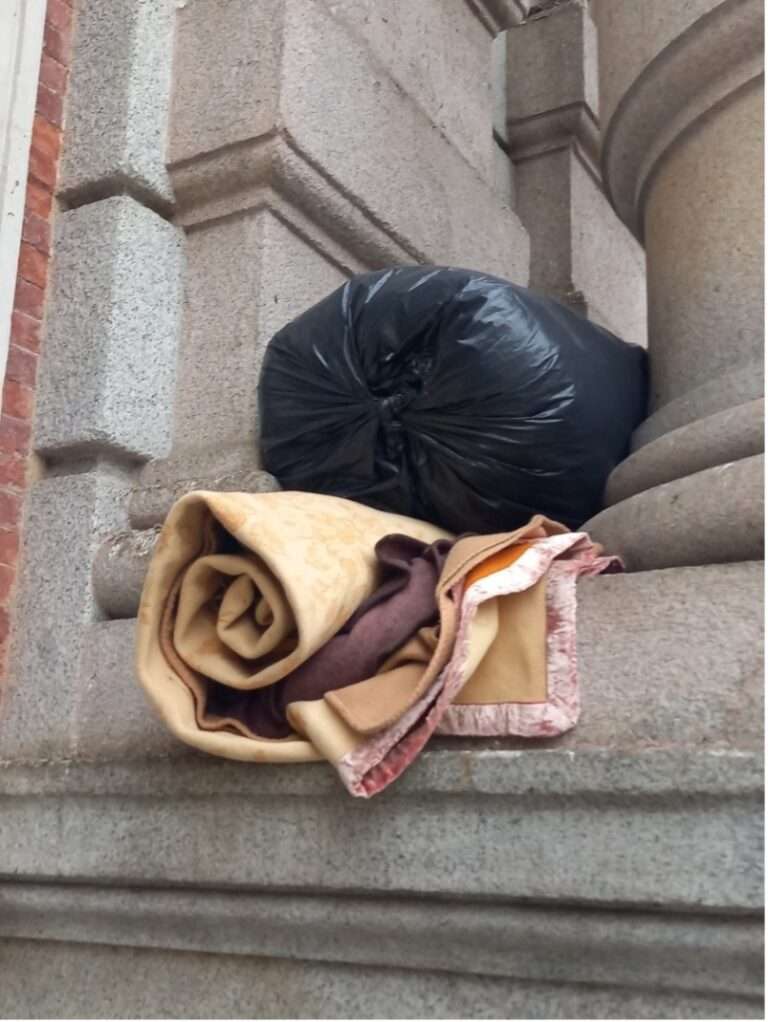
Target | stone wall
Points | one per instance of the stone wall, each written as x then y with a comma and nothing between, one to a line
17,469
618,867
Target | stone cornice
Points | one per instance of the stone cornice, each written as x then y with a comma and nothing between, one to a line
498,15
552,129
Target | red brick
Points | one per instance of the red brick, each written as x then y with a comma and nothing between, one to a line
53,74
13,471
10,509
15,435
5,624
44,153
58,14
25,331
50,104
56,42
33,264
46,137
21,366
39,198
18,400
29,298
9,546
37,231
7,577
43,168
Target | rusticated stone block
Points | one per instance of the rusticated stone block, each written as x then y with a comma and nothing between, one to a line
581,253
118,100
67,517
389,156
106,383
114,719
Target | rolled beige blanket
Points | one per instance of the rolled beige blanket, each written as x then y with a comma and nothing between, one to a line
243,588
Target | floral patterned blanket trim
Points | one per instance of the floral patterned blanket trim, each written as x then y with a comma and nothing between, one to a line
378,762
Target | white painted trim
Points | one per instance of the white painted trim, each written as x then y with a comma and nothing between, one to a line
21,42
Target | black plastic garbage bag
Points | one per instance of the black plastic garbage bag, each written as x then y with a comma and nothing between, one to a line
449,395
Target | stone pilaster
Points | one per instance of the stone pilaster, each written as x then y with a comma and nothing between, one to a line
581,253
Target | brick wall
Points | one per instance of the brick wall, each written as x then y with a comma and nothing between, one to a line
27,325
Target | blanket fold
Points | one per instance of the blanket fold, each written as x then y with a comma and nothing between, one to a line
271,575
522,682
403,601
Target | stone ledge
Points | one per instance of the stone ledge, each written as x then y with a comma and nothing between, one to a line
94,981
459,767
695,953
678,830
685,629
653,801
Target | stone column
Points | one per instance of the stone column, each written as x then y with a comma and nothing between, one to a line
681,88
